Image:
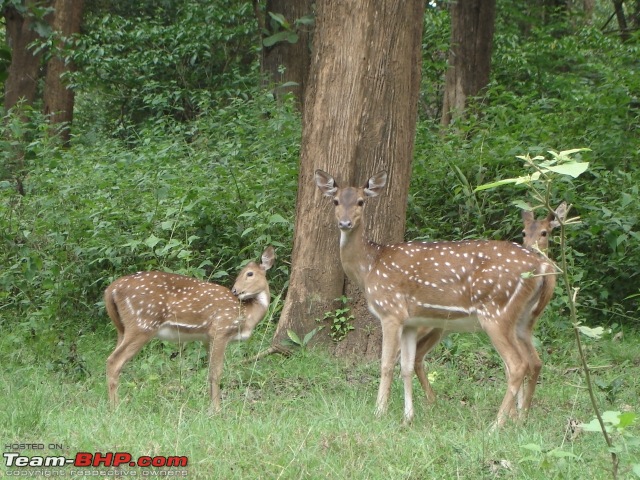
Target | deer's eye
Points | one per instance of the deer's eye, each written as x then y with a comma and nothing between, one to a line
543,233
336,202
360,202
249,274
524,233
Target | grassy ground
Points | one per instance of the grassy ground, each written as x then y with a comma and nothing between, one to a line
311,415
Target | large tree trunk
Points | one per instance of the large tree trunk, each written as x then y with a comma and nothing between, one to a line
472,27
58,99
22,78
359,117
285,62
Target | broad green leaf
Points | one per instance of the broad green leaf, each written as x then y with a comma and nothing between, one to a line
534,447
626,419
294,337
279,18
573,169
306,20
592,426
522,205
559,453
611,417
276,218
220,274
566,153
596,332
487,186
152,241
282,36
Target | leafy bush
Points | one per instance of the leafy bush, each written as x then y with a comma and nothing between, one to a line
176,60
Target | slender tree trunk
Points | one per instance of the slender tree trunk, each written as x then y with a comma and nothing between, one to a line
622,20
21,82
359,117
58,99
472,27
287,62
588,7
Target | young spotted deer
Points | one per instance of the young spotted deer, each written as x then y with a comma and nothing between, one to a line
181,309
463,286
535,237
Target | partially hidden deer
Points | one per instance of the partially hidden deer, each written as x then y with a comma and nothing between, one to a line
181,309
463,286
536,233
535,237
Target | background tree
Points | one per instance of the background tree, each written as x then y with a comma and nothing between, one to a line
359,118
58,98
23,22
472,27
286,27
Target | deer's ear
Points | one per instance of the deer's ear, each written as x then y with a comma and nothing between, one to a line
527,216
375,184
326,183
268,257
559,214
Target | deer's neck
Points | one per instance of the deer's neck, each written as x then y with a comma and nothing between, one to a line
251,312
358,255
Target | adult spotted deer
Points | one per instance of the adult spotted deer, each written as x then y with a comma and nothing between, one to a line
181,309
466,286
535,237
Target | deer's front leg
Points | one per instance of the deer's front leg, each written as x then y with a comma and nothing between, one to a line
390,342
216,361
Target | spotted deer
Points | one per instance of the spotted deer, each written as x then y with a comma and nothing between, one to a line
464,286
181,309
535,237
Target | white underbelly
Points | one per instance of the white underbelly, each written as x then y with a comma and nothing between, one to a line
172,334
452,325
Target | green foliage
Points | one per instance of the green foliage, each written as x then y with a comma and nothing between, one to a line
23,144
181,60
620,424
339,320
295,340
283,30
553,462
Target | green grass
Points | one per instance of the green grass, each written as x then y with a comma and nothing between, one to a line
311,415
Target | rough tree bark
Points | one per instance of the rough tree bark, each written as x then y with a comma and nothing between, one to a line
359,117
22,78
472,27
287,62
58,99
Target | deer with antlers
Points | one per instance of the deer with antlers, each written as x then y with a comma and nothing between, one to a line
442,287
181,309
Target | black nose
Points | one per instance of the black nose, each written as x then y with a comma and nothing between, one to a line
234,291
343,224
